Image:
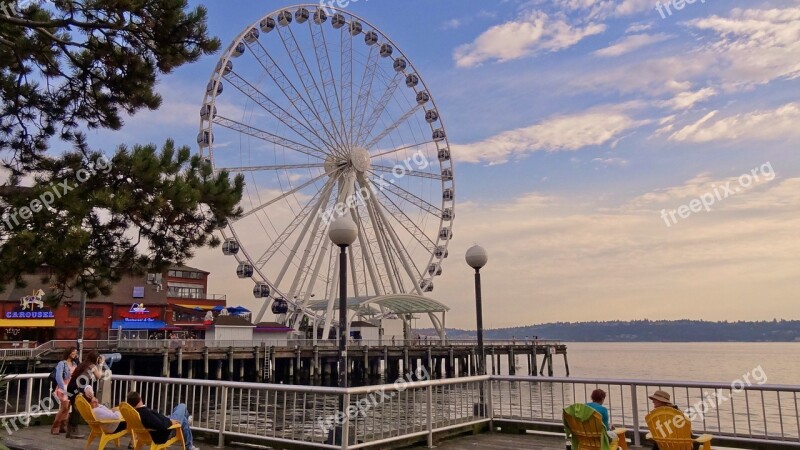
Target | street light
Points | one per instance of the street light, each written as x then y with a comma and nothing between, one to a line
476,258
342,232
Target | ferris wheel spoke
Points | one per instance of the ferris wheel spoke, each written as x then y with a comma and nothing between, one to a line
364,92
407,172
406,262
377,111
388,130
289,90
379,238
318,103
269,137
412,199
281,197
326,73
346,76
268,168
314,203
322,254
367,252
402,218
406,147
276,111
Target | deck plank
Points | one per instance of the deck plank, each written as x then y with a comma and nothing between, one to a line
500,441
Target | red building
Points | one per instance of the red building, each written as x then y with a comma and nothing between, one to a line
138,307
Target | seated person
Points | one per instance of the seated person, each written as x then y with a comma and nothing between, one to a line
598,398
662,398
101,412
158,424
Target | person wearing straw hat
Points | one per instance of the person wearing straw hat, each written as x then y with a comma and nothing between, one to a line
662,398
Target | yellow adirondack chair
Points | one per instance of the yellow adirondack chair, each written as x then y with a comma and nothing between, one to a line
96,426
141,435
589,433
672,430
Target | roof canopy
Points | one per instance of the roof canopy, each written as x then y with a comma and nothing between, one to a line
396,303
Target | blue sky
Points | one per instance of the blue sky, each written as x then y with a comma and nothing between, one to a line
573,124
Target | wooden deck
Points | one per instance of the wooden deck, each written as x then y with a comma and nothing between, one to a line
500,441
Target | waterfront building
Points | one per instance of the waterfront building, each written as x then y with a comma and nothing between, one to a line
174,303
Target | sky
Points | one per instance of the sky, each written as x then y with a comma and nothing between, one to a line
617,159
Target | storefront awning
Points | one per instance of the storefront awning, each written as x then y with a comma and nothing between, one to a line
27,323
129,325
202,307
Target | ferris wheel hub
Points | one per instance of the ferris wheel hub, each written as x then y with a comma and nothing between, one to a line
360,160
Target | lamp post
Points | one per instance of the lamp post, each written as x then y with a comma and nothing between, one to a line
342,232
476,258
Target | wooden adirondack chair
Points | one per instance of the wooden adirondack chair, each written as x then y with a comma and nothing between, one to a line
141,435
96,426
672,430
589,433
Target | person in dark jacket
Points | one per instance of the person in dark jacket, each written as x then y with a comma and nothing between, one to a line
159,424
88,371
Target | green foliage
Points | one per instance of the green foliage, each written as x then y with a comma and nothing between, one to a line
70,65
168,202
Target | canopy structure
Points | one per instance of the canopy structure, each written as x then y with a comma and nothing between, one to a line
400,304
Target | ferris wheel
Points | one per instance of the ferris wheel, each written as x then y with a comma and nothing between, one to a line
326,117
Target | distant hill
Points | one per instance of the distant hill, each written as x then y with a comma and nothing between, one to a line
647,331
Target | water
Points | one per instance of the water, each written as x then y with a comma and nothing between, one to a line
684,361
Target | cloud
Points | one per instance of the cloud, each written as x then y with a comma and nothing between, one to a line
639,27
603,9
532,33
763,125
451,24
597,126
631,43
686,100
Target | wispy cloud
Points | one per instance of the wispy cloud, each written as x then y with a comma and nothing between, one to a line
764,125
532,33
598,126
631,43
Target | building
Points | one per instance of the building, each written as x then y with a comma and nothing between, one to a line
139,307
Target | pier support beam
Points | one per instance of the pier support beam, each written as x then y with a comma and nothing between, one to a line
180,362
165,364
512,362
533,361
566,363
205,363
386,364
230,364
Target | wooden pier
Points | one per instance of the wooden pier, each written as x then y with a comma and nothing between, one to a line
316,363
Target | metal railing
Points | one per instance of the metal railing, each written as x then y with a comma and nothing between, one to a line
739,415
743,413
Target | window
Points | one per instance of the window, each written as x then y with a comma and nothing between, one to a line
186,292
185,274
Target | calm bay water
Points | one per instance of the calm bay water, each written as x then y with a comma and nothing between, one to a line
693,361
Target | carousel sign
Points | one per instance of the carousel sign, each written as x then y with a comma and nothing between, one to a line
31,307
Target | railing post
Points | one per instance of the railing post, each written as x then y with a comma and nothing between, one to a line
490,405
429,410
346,421
224,417
29,397
637,439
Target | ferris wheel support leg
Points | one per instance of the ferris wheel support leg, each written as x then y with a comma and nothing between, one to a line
398,246
372,217
362,242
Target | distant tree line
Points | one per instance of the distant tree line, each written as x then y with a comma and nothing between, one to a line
649,331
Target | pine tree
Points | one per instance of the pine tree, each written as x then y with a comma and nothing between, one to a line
68,65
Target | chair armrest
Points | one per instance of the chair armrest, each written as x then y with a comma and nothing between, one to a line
649,436
620,431
111,421
703,438
174,426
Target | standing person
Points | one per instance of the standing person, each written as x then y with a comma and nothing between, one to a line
83,375
64,370
159,424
